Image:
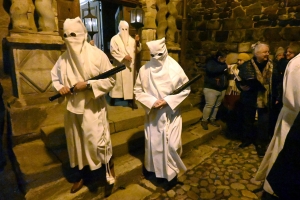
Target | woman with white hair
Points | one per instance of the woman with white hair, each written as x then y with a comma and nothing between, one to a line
255,97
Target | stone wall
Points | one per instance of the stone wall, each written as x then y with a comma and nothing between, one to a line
236,24
160,21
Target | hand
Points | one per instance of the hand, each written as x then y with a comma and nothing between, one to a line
245,87
276,102
92,42
80,86
159,104
128,58
137,38
64,91
230,66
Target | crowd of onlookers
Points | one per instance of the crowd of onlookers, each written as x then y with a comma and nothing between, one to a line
250,90
260,96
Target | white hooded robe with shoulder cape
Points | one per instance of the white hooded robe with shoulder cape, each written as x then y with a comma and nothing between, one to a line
157,80
119,48
86,124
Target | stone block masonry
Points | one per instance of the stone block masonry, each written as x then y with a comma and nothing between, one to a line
239,23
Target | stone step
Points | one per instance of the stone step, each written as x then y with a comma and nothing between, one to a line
120,119
191,158
128,169
135,191
37,162
131,140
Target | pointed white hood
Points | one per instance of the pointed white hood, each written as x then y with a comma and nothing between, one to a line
75,36
124,31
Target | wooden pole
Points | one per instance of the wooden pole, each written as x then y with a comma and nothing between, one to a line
134,70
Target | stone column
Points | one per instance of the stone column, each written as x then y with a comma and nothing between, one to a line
4,22
149,8
32,48
46,15
172,28
161,18
22,15
147,35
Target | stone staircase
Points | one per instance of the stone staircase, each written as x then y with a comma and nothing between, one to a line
44,162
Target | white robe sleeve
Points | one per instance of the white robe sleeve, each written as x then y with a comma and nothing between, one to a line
174,100
115,50
102,86
146,99
56,76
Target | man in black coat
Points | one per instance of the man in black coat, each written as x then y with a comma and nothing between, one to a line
256,87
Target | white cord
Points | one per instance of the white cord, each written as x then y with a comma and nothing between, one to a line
109,178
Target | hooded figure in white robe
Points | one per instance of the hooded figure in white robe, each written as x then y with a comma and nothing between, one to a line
122,45
280,167
86,125
156,80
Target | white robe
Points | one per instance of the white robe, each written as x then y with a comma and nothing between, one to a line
289,112
162,126
124,79
87,133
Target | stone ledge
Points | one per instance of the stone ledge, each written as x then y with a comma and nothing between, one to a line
45,38
52,136
37,164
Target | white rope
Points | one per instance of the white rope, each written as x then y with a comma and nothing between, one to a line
109,178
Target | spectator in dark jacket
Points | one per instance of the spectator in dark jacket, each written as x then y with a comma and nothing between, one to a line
279,66
232,99
292,50
256,98
215,85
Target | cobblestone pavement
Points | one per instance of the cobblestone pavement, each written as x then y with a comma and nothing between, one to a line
227,174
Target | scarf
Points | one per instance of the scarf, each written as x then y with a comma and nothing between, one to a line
265,78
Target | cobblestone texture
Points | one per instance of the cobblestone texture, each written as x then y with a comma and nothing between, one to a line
226,175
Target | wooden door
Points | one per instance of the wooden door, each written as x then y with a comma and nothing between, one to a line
66,9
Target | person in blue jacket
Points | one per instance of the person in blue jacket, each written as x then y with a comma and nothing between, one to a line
215,85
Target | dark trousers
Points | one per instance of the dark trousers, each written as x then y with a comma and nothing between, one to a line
234,127
75,175
247,118
276,108
256,134
262,127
